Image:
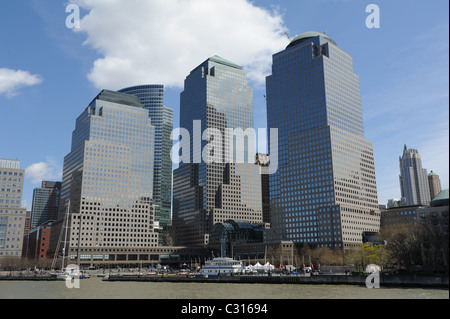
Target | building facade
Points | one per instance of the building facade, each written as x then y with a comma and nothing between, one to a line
211,185
152,98
228,235
12,215
324,192
45,206
414,186
108,179
435,184
263,161
27,227
400,215
37,242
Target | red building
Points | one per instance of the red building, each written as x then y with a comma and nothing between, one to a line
37,242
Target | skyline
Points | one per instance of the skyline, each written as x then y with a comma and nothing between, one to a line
53,72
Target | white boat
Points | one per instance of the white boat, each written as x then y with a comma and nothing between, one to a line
69,273
221,266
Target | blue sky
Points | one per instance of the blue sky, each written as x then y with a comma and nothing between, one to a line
50,73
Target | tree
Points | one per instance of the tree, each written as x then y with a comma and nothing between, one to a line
371,254
423,244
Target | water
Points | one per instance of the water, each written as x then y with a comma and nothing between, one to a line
95,288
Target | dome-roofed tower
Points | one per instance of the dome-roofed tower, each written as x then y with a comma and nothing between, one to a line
308,35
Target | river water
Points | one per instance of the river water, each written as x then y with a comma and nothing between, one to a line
95,288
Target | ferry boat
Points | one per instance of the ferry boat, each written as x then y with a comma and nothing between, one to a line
222,266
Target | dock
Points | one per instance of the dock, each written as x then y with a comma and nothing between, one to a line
386,281
28,278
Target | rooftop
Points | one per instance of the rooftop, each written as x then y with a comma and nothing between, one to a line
442,195
221,60
119,98
433,174
441,199
9,163
308,35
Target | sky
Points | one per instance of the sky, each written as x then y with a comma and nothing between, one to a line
51,68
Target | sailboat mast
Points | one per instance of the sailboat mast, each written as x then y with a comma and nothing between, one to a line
65,235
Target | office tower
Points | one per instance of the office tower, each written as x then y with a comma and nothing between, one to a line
211,184
414,186
263,161
152,98
39,208
12,215
108,179
239,196
435,184
45,206
324,192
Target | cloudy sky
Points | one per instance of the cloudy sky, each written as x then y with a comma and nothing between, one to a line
49,71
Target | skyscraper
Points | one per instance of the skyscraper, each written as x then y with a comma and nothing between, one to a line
414,186
152,98
108,179
216,97
45,206
12,215
324,192
435,184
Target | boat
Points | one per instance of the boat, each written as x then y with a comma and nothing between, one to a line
221,266
71,271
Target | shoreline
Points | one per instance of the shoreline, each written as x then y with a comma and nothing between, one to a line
386,281
412,281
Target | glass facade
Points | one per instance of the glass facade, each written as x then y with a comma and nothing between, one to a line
39,209
216,96
226,234
108,176
45,204
152,98
324,192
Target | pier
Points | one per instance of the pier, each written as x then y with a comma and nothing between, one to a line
386,281
28,278
406,281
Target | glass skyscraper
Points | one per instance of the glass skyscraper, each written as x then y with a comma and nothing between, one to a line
324,192
45,206
216,96
152,98
414,186
108,179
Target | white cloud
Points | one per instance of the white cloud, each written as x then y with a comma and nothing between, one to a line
161,41
26,204
42,171
11,81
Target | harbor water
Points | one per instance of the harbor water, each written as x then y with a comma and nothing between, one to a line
95,288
